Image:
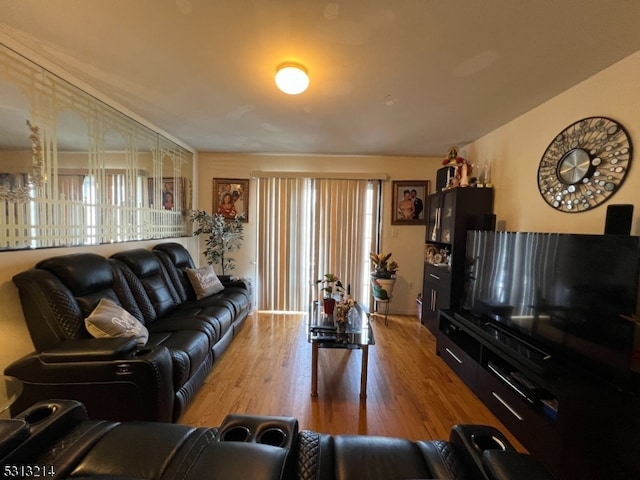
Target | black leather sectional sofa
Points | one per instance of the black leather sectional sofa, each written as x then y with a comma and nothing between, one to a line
116,378
56,440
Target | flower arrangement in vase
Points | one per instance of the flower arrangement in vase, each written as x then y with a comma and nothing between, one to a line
343,307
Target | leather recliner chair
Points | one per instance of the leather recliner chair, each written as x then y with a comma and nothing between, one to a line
55,440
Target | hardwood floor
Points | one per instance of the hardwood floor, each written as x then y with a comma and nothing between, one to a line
411,392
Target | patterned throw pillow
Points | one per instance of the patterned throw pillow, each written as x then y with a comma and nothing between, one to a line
109,319
204,280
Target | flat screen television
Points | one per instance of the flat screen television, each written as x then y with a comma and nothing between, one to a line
573,294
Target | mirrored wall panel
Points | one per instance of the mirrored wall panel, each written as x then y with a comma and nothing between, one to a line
75,171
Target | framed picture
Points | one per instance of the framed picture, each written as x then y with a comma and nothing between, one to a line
163,191
231,198
409,202
168,194
172,193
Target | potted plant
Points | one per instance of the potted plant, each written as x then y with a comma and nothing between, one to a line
224,237
383,276
331,286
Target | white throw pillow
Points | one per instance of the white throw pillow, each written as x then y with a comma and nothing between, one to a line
109,319
204,280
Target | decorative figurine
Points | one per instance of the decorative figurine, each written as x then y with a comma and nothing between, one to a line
463,168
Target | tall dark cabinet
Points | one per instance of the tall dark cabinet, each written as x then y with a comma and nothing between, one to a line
450,214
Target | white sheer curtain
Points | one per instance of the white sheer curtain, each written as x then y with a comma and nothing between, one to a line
311,226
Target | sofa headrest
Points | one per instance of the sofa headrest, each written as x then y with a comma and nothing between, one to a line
178,255
82,273
142,262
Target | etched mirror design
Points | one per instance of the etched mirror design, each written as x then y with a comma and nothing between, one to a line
75,171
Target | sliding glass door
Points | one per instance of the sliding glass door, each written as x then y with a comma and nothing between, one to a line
311,226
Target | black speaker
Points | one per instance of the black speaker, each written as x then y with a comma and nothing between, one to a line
489,221
619,219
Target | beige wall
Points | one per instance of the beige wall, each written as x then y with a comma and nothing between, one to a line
405,242
516,148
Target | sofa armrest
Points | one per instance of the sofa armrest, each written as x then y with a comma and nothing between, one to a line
131,385
507,464
471,441
90,350
231,281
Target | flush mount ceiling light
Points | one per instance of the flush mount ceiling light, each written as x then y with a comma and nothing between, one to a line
292,78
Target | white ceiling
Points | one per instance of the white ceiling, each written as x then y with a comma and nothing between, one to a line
388,77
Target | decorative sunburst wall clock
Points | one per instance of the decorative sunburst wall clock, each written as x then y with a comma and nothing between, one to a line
585,164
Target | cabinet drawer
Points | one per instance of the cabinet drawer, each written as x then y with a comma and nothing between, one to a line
437,274
458,360
538,434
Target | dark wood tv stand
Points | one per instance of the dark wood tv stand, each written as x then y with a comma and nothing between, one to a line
578,424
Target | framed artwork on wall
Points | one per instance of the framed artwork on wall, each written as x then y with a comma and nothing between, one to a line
231,198
409,201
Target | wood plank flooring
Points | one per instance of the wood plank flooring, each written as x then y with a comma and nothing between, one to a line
411,392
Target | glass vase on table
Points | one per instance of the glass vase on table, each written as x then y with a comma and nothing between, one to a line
342,310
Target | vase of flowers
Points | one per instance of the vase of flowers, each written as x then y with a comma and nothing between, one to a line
332,287
383,276
342,311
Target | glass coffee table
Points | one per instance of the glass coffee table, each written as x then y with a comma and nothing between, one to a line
323,333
